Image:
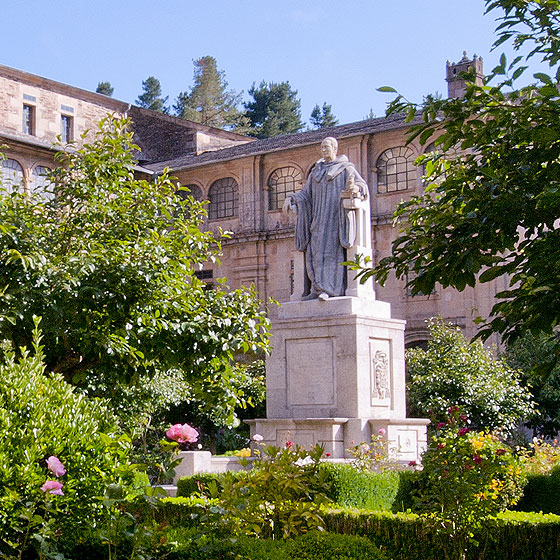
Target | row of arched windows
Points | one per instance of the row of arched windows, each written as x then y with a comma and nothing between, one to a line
12,175
395,172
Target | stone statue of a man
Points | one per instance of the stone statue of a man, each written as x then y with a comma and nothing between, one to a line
326,223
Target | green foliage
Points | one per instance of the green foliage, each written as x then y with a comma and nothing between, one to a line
198,483
466,477
209,102
541,493
535,357
105,88
99,261
280,497
348,487
151,98
492,197
275,110
452,371
323,117
317,546
42,416
519,535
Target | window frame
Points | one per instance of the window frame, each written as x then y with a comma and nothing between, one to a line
392,161
223,196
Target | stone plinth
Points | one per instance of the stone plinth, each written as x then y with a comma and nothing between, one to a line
336,376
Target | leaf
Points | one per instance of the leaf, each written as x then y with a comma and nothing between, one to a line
387,89
545,78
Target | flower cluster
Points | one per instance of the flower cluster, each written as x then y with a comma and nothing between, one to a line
182,433
375,455
57,468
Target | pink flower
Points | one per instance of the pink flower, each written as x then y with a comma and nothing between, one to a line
53,487
55,466
382,432
462,431
477,459
289,444
412,463
452,410
440,425
463,418
257,437
182,433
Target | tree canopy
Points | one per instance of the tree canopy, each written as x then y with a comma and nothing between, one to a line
107,260
492,199
152,98
209,102
322,117
275,110
105,88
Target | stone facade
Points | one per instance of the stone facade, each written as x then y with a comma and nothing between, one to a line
260,250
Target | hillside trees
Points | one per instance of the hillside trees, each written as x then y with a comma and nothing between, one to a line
275,110
491,208
105,88
107,260
209,101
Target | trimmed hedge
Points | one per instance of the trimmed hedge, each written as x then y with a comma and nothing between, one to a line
311,546
519,535
541,493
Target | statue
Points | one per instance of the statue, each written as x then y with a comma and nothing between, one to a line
330,221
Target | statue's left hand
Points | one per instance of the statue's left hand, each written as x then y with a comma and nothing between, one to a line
289,206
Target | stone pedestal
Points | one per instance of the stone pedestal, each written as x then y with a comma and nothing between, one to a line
336,376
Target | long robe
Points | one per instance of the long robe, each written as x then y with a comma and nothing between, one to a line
322,229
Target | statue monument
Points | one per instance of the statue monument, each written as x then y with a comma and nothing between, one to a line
336,375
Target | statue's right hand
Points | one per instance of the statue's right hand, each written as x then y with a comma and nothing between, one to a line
289,206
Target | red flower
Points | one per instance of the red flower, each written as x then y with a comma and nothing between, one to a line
327,454
463,418
462,431
440,425
500,451
289,444
477,459
412,463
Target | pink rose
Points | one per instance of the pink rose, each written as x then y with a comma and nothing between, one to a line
53,487
55,466
463,431
257,437
382,432
182,433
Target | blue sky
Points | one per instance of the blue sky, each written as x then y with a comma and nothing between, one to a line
338,52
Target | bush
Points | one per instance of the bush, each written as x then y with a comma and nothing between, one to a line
350,487
407,536
541,493
189,485
42,416
189,545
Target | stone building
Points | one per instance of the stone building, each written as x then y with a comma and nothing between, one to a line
245,182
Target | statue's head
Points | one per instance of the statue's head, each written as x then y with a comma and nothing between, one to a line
329,147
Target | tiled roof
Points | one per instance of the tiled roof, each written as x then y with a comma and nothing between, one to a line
163,137
284,142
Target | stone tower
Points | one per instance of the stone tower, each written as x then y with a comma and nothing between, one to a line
456,84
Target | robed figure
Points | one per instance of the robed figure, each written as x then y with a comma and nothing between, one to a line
326,220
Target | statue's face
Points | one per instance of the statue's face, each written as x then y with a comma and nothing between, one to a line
328,151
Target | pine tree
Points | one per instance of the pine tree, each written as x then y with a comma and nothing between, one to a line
105,88
152,98
322,118
209,102
274,111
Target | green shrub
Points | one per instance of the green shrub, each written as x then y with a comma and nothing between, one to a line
350,487
188,544
189,485
41,416
541,493
407,536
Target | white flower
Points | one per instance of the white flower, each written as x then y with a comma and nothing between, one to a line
301,462
257,437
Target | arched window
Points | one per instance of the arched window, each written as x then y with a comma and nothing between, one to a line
223,199
12,174
39,178
282,182
395,170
